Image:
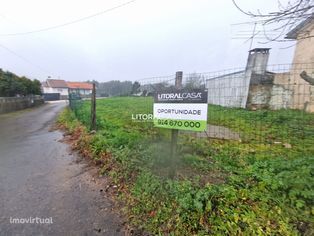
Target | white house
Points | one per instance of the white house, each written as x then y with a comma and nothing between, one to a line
53,87
56,86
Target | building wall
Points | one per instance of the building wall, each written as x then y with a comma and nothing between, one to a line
230,90
85,91
303,92
62,91
304,51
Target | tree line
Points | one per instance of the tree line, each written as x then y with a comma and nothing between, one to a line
12,85
128,88
116,88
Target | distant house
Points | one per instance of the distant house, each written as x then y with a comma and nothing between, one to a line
80,88
55,86
55,89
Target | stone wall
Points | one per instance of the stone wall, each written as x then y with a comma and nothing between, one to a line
286,91
295,91
9,104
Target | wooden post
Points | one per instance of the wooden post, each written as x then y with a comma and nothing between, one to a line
93,108
174,132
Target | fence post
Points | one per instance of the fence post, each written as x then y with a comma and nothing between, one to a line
174,132
93,108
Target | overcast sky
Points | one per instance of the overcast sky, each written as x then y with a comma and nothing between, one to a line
145,38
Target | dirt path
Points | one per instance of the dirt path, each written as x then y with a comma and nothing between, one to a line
39,177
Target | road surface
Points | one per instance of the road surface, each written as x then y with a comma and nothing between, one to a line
40,178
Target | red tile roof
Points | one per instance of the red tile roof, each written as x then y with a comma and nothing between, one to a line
57,83
79,85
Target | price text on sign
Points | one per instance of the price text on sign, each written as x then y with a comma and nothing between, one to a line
181,110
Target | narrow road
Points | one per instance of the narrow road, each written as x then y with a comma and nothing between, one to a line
39,177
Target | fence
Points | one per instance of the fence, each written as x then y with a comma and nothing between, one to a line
254,162
9,104
273,105
247,97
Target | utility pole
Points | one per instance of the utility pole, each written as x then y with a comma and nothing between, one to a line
93,108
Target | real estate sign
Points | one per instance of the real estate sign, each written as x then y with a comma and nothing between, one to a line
179,109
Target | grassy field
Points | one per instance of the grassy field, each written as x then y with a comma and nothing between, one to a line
261,185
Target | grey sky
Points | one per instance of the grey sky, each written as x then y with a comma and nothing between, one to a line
143,39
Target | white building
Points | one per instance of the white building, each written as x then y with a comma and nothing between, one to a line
56,86
57,89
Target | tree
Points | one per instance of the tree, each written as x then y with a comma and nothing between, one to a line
135,87
307,78
195,81
93,82
114,88
12,85
283,20
36,87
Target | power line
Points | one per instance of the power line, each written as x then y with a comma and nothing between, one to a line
25,59
70,22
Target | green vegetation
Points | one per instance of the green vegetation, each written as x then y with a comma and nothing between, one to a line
260,185
116,88
12,85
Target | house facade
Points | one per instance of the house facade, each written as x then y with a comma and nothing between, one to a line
81,88
62,88
303,64
55,86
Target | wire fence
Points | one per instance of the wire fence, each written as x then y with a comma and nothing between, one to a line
261,105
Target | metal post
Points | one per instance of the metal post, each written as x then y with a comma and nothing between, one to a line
174,132
93,109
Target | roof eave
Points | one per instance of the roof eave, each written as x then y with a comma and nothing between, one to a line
293,34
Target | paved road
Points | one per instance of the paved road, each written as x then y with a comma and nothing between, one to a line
39,177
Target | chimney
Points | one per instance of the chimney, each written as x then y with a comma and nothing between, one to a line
257,60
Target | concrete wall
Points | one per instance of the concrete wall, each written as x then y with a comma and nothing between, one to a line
233,89
9,104
283,91
230,90
302,93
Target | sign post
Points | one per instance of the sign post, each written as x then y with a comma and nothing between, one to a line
180,109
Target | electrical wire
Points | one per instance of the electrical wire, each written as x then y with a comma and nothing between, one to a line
25,59
70,22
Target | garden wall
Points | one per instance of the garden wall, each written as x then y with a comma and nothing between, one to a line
9,104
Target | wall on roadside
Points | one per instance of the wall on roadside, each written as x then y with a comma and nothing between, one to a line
9,104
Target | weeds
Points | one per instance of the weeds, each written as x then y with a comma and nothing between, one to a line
262,185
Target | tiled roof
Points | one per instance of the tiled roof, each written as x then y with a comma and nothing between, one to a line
79,85
57,83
